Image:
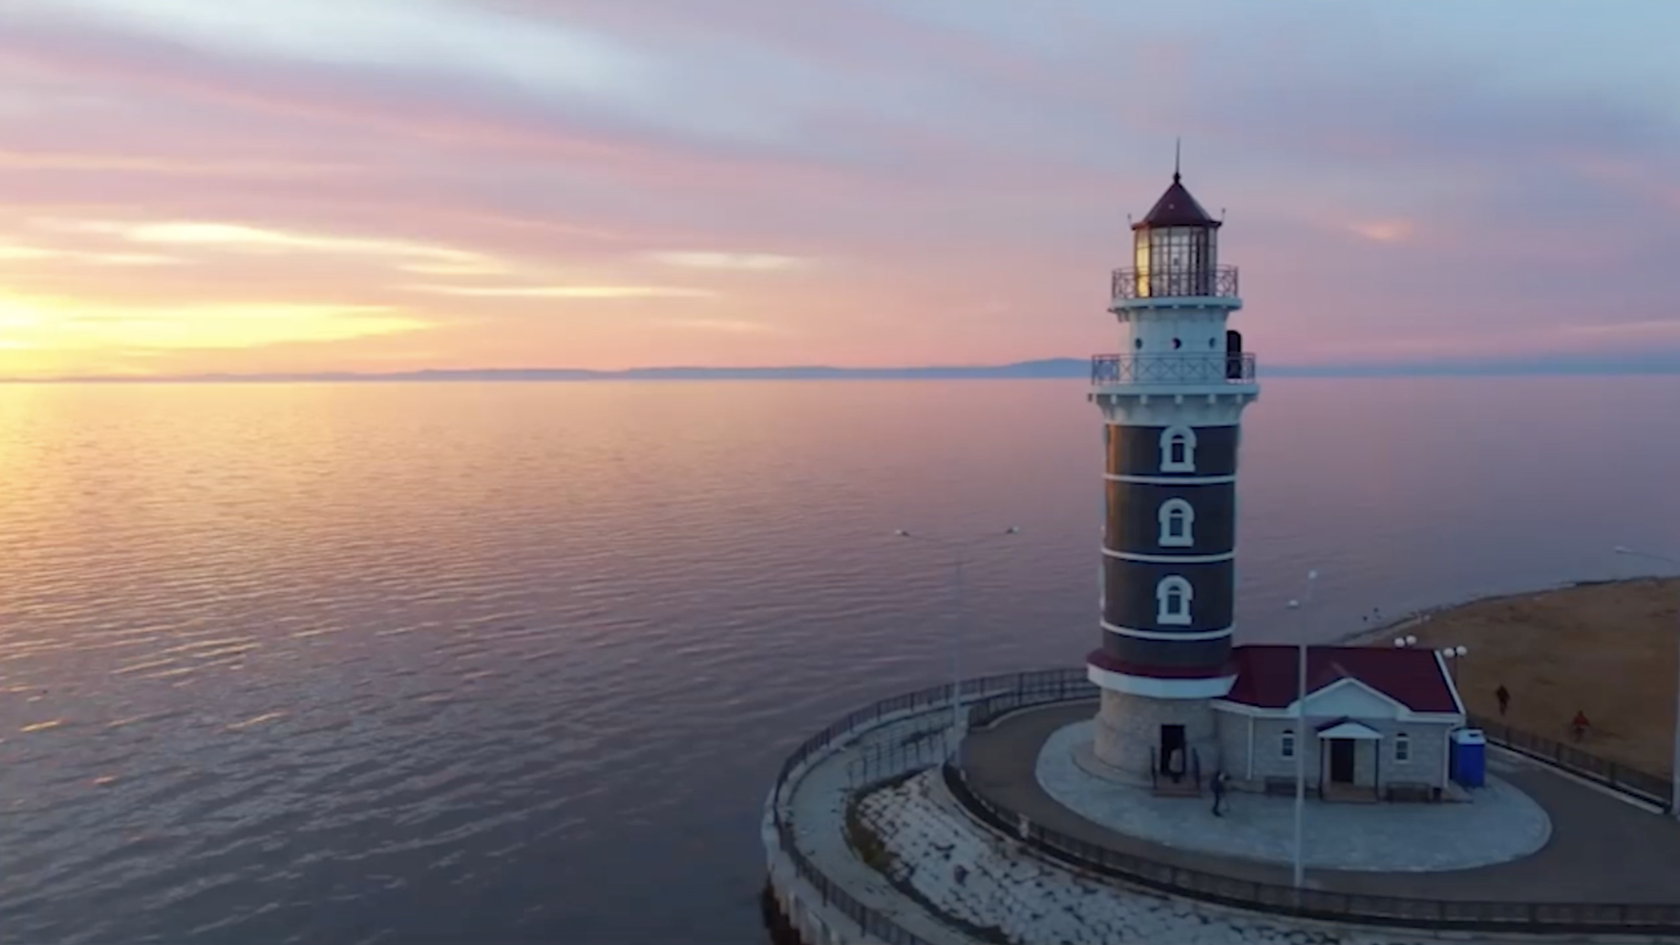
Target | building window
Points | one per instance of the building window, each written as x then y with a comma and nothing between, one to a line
1178,449
1172,600
1137,343
1287,748
1178,522
1402,747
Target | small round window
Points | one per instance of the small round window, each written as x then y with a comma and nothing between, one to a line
1178,343
1137,343
1210,342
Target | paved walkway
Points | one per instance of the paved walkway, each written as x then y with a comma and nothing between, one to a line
1501,823
1600,850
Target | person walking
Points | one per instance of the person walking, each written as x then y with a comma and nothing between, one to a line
1218,785
1579,726
1503,696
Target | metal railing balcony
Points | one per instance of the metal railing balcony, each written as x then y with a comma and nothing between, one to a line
1217,282
1111,369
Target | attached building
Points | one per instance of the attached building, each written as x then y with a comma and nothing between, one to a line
1375,718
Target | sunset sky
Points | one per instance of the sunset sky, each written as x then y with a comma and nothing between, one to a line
385,185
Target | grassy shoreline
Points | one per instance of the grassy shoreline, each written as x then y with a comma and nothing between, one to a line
1610,649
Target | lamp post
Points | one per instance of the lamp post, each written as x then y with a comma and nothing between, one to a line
1451,655
1674,767
1301,737
960,547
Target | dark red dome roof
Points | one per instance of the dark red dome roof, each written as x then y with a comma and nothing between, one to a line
1176,208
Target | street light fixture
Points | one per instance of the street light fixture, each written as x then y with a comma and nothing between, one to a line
961,547
1301,736
1674,770
1450,655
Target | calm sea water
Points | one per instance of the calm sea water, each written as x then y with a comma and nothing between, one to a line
515,663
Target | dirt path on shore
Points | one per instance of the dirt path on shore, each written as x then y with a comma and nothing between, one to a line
1606,649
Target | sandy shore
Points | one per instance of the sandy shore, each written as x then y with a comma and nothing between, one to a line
1607,649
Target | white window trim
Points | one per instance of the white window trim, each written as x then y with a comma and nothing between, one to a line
1164,591
1175,434
1183,512
1287,744
1402,740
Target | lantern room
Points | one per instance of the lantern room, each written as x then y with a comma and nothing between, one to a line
1175,247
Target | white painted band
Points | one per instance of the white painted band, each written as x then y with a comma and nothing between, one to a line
1169,559
1211,688
1171,480
1166,634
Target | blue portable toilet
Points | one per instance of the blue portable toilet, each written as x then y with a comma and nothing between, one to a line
1469,757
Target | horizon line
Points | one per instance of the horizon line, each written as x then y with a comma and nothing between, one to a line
1042,369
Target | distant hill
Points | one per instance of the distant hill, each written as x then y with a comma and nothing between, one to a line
1049,368
1658,362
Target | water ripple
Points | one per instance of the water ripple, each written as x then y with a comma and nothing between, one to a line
390,663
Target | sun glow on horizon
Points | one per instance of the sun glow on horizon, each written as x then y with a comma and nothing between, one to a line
42,336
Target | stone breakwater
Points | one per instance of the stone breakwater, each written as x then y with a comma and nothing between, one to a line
1003,893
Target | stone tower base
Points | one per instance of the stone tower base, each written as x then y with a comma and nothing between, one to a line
1128,728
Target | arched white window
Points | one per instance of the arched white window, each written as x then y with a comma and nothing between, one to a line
1172,600
1286,747
1178,524
1402,747
1178,449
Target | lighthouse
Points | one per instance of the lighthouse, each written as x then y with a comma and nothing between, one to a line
1172,403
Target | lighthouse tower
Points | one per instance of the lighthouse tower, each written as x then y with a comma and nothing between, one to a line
1172,404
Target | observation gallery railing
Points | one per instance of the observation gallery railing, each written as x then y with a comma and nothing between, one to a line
992,697
1172,369
1167,283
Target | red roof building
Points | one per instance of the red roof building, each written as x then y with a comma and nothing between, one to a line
1415,678
1374,718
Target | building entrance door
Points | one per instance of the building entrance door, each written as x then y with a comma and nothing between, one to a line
1341,760
1173,760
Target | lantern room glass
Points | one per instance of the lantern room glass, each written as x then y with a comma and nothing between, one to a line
1175,260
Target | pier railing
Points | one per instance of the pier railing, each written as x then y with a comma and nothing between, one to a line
1172,369
1644,785
1215,282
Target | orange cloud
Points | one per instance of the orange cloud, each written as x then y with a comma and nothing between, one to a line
1384,231
165,165
565,291
740,262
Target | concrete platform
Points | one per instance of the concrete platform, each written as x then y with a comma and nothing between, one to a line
1600,849
1500,824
